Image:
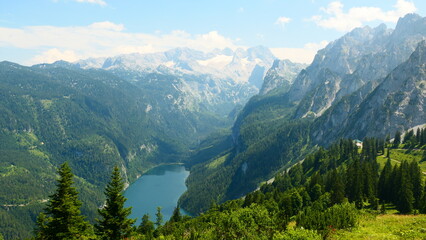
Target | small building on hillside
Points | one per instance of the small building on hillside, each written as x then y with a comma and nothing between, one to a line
358,143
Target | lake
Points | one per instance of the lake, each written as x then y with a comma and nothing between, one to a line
161,186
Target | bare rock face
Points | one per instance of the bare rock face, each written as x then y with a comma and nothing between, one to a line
281,76
359,57
397,103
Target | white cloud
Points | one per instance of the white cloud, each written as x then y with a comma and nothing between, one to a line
55,54
335,18
301,55
282,21
102,39
107,26
99,2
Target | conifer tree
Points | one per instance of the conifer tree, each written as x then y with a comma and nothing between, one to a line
354,187
419,136
62,218
405,194
114,223
397,139
146,227
337,188
416,181
384,182
176,216
159,216
423,200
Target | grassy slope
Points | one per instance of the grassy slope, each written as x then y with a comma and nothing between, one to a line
398,155
389,226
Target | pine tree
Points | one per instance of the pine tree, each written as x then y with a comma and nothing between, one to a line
354,187
405,195
416,181
176,217
159,216
114,223
337,188
146,227
62,218
418,136
384,182
397,139
423,200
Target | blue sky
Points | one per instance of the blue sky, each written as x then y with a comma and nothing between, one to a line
34,31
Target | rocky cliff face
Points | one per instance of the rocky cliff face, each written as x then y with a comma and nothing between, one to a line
347,64
280,76
397,103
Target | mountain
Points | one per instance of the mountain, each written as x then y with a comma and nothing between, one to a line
345,65
281,76
237,66
215,82
368,83
397,103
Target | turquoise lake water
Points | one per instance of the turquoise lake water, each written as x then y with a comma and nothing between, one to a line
161,186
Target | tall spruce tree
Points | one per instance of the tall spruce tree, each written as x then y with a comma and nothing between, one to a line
337,188
405,199
416,181
423,200
114,223
159,215
397,139
176,216
146,227
384,188
62,218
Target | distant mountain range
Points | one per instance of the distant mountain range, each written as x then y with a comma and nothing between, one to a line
216,81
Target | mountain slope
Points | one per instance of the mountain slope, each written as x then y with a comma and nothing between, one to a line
280,76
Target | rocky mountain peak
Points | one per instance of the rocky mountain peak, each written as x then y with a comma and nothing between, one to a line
280,76
407,21
419,55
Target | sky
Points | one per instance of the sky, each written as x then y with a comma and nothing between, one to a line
44,31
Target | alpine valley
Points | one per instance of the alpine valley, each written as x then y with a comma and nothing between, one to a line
235,118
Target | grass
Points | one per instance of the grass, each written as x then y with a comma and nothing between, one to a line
399,155
12,170
47,104
217,162
389,226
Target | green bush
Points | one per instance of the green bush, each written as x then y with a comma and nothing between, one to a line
339,216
